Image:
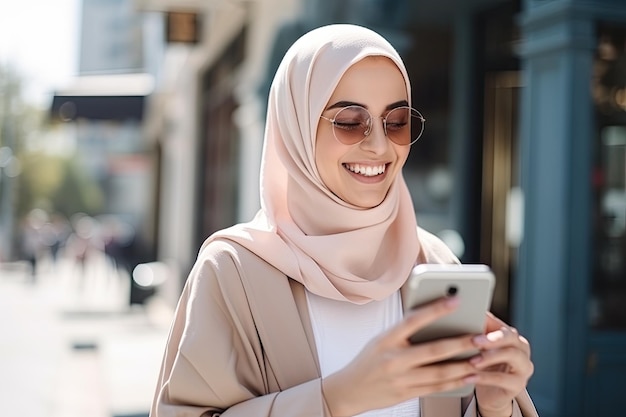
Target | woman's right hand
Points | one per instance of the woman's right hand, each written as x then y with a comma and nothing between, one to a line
389,370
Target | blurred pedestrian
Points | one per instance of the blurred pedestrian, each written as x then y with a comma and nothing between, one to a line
118,238
31,239
61,229
52,235
83,243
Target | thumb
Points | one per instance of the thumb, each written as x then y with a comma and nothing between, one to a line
492,323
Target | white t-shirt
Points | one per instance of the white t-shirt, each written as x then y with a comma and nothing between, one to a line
341,331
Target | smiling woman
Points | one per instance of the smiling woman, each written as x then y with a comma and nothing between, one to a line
298,312
361,173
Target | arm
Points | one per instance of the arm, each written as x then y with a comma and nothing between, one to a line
214,363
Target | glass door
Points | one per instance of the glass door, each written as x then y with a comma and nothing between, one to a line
607,309
606,350
609,282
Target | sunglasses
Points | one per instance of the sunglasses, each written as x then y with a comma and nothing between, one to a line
402,125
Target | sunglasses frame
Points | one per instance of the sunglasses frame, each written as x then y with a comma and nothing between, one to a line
371,124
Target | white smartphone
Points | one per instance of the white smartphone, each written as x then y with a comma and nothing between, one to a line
472,283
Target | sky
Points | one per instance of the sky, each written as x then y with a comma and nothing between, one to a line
39,38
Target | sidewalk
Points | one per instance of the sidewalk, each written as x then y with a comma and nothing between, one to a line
70,346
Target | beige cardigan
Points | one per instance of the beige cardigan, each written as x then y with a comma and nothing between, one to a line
241,344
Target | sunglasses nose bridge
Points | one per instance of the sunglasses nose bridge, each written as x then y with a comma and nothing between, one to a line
370,127
373,137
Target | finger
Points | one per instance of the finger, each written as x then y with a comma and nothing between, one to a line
419,318
510,383
493,323
502,337
440,350
435,374
441,386
512,361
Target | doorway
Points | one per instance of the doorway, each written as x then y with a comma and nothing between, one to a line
502,200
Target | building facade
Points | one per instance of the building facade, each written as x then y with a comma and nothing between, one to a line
522,165
102,109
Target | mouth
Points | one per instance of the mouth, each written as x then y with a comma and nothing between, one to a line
366,170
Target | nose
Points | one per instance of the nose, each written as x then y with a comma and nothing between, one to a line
376,141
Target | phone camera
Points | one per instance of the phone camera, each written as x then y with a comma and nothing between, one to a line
452,290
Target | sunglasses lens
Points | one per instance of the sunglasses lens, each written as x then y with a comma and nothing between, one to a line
404,125
351,124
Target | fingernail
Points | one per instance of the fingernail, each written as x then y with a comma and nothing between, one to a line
452,301
476,360
471,379
480,339
495,336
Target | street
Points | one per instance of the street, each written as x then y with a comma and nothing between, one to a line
71,346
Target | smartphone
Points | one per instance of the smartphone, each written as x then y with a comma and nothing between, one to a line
473,284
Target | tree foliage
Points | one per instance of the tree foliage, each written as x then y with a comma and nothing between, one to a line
47,180
56,184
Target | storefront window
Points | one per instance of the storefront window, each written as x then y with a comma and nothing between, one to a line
609,93
428,171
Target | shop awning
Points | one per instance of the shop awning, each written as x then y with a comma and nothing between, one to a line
103,97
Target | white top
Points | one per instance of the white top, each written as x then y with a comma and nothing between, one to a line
341,331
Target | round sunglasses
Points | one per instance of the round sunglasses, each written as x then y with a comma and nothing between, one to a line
352,124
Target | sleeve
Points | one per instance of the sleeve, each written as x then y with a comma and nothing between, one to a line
433,250
522,407
214,363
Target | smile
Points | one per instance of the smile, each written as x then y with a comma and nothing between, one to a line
366,170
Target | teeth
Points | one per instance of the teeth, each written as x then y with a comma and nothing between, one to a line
366,170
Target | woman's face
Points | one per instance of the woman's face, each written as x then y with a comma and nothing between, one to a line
376,84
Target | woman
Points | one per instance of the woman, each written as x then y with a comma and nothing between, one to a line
298,313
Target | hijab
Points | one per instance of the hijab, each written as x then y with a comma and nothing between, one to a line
336,250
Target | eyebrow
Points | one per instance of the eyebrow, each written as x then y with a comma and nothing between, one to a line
343,103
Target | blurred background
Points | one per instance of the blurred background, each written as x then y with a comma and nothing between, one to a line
130,130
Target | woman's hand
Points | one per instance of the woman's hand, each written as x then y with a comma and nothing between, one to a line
503,368
389,370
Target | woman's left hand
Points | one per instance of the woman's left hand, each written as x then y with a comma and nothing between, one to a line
504,368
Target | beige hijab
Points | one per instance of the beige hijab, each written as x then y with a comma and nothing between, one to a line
333,248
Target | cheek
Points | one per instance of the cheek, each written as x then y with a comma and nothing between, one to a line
327,153
402,153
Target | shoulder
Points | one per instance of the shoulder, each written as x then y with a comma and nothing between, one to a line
223,259
223,284
226,253
233,265
214,277
433,250
218,253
